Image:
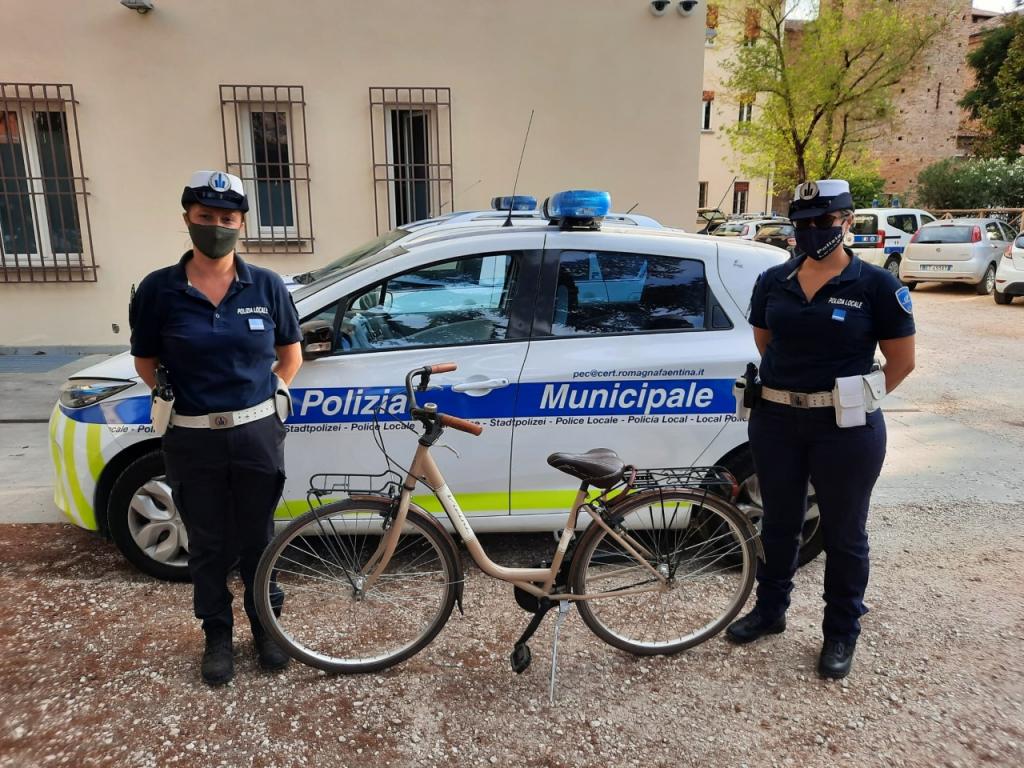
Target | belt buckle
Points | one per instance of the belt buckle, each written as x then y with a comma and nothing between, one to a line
222,420
798,399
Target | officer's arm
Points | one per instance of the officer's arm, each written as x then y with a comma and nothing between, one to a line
289,358
899,360
146,368
761,338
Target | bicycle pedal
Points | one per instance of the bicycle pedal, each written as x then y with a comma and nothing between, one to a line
520,658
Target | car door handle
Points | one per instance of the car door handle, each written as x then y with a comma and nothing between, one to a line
475,385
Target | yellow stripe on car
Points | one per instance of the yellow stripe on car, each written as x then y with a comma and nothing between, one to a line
94,451
80,508
58,470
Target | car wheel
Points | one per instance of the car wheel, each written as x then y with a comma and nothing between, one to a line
893,265
910,286
1002,298
988,282
144,521
812,541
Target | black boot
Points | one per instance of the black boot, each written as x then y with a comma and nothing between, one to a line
836,658
268,652
754,626
218,660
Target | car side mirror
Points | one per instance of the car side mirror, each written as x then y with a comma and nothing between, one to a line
317,339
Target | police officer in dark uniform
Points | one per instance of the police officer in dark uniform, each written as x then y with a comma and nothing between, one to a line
227,334
817,321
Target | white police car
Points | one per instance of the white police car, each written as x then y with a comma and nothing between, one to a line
570,333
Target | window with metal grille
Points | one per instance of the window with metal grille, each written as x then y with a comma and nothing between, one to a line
44,216
411,129
265,146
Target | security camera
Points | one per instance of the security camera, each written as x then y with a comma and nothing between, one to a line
142,6
686,7
658,7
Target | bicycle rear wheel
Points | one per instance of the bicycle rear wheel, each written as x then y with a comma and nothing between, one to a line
702,545
330,620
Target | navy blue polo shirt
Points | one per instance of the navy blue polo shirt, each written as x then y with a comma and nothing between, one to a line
217,358
833,335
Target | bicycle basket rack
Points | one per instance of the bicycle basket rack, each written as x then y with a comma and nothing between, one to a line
716,480
328,485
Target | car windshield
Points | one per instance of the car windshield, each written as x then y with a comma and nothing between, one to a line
773,230
864,224
732,229
328,278
356,254
946,233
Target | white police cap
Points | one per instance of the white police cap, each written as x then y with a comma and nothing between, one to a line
813,198
216,189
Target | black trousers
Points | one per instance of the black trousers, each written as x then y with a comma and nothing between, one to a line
226,484
792,446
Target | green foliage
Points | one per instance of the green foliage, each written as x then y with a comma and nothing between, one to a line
986,61
998,98
824,97
866,183
972,183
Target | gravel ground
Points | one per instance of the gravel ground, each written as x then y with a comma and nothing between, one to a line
98,663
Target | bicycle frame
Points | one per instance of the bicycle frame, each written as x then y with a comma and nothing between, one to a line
425,469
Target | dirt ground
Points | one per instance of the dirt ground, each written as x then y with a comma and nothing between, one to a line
98,663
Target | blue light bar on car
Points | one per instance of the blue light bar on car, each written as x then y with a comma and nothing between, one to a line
515,202
577,204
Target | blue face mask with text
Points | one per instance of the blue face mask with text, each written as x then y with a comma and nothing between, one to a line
818,243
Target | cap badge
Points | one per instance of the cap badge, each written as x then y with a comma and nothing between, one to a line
808,190
219,182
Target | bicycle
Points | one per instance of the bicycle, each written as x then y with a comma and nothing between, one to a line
666,562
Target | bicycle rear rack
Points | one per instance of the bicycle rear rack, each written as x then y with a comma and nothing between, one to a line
713,479
327,485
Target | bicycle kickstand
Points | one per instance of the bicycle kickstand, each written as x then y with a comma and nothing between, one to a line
564,606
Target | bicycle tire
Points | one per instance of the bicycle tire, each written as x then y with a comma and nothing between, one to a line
313,625
653,518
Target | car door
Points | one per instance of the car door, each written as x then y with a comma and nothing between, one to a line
461,302
630,351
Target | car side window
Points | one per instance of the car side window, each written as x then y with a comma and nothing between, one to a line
926,219
994,232
1008,233
905,222
607,292
461,301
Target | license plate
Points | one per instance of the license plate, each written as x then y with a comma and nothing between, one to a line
936,267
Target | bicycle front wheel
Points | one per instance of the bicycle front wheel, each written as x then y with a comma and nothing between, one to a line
331,619
702,547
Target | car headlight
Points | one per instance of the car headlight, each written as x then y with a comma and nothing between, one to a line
78,393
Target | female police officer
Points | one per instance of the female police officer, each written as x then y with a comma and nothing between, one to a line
817,319
216,325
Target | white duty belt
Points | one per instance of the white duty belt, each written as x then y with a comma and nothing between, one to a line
798,399
227,418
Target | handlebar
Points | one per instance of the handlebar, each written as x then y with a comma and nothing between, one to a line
460,424
431,419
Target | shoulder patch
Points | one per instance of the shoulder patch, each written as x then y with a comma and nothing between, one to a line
903,297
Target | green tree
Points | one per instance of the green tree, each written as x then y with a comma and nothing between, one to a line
1005,119
827,90
976,182
986,60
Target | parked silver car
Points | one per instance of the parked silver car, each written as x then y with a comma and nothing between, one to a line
956,251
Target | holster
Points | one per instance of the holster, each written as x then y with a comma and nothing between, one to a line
282,400
747,391
162,404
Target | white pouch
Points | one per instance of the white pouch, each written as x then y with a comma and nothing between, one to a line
874,390
282,400
160,414
849,401
739,388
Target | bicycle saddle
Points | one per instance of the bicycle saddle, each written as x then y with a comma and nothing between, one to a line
600,467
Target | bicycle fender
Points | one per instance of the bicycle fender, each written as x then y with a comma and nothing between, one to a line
452,548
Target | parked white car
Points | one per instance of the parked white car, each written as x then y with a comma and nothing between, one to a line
566,338
880,235
1010,273
956,251
745,229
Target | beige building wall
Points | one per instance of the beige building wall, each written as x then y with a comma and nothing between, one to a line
615,89
719,164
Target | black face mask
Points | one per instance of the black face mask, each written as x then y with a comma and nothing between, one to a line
213,241
818,243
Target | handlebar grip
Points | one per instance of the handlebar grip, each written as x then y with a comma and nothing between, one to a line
443,368
460,424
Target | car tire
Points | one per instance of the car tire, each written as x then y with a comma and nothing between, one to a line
988,282
812,540
1002,298
910,286
144,522
893,266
